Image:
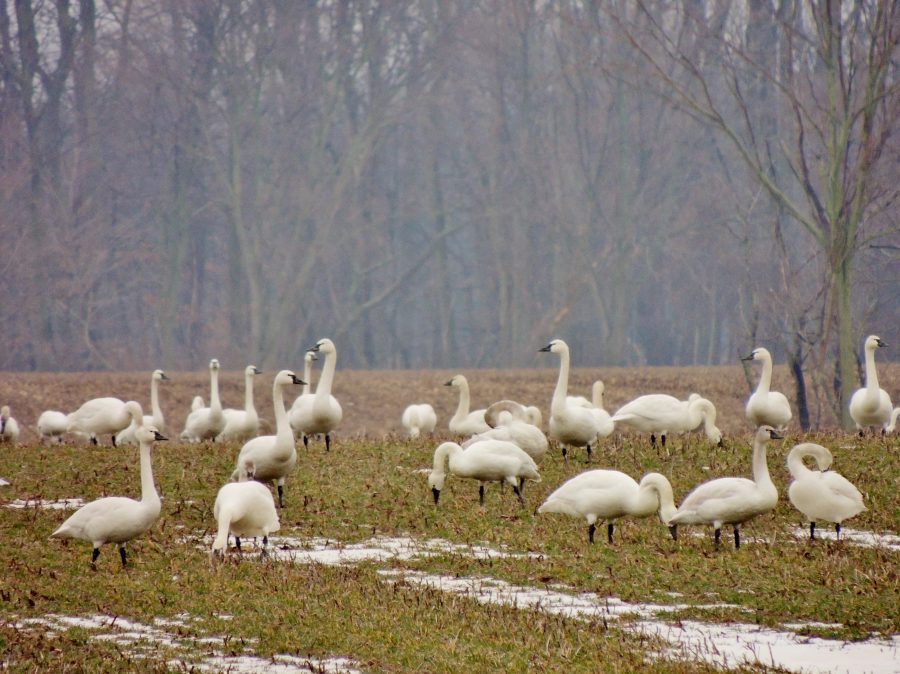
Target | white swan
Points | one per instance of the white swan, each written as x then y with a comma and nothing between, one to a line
206,423
664,414
527,413
573,424
155,419
272,456
418,418
871,405
464,422
524,435
52,424
9,427
732,500
117,519
821,494
242,424
606,495
99,416
320,412
894,415
304,400
197,403
244,509
485,461
308,359
597,389
766,407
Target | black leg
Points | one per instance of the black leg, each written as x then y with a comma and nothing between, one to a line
589,451
114,440
265,541
280,496
591,530
653,440
663,437
481,494
518,490
718,536
328,442
673,529
812,531
737,538
564,450
609,530
306,441
94,555
837,529
93,440
436,493
237,543
123,556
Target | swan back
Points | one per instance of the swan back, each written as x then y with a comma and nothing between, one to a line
821,494
486,461
419,418
243,509
52,424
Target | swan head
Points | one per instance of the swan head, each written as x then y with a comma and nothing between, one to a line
325,346
873,342
556,346
149,434
251,370
287,377
310,356
214,365
246,472
457,380
764,433
436,482
760,353
136,411
535,418
4,411
159,375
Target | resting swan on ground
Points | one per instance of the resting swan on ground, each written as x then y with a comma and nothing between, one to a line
524,435
418,418
527,413
99,416
242,424
464,422
155,419
272,456
319,412
766,407
821,494
572,423
871,405
117,519
732,500
9,427
52,424
485,461
244,509
658,413
606,495
206,423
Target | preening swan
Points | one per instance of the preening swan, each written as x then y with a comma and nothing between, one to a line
871,405
242,424
99,416
155,419
527,413
464,422
116,519
658,413
319,412
418,418
244,509
272,456
821,494
52,424
9,427
766,407
524,435
606,495
485,461
206,423
733,500
572,423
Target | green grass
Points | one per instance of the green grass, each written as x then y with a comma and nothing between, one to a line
366,487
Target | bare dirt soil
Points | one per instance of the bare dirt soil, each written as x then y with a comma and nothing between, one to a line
373,400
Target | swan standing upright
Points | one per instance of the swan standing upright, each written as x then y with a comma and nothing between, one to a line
117,519
606,495
304,400
464,422
9,427
155,419
871,405
663,414
272,456
206,423
732,500
319,412
821,494
572,423
244,509
242,424
99,416
485,461
766,407
418,418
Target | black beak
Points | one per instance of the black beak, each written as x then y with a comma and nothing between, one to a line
164,376
256,370
159,436
297,380
882,343
436,493
750,357
314,349
546,348
448,383
775,435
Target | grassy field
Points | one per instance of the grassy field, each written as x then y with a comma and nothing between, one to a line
371,485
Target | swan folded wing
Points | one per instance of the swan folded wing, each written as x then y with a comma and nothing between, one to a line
719,497
841,487
112,519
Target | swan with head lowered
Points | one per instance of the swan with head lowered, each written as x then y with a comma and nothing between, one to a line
100,416
418,418
484,461
156,419
766,407
570,422
244,509
52,424
272,456
464,422
871,405
527,413
732,500
117,519
821,494
9,427
205,423
607,495
320,412
524,435
658,413
242,424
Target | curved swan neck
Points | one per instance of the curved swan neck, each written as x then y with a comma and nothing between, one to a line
871,374
248,392
760,465
148,489
796,467
221,541
462,408
442,456
323,388
656,495
562,382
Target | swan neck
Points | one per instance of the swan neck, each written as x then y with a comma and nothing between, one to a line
323,389
148,489
307,373
795,464
248,392
765,379
221,541
462,408
656,495
760,465
154,400
562,382
442,455
282,424
214,402
871,374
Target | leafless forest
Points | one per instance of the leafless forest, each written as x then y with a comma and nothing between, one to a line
449,184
